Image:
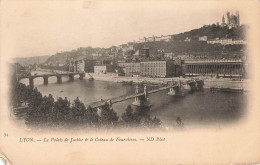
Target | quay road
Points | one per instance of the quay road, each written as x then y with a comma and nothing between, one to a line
208,81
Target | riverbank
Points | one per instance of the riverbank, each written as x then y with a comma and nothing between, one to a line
208,82
220,107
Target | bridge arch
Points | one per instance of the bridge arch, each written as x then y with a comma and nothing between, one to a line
46,77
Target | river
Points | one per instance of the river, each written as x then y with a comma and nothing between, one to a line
197,108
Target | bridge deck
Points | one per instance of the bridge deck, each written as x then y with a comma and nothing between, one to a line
123,98
50,75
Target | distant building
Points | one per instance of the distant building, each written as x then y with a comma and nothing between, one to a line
223,21
155,38
89,65
121,63
96,55
226,41
232,20
162,38
143,52
221,68
100,69
150,39
187,39
141,40
132,69
157,69
184,57
169,56
104,69
163,68
165,38
203,38
80,66
239,42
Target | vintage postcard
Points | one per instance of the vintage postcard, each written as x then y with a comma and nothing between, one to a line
129,82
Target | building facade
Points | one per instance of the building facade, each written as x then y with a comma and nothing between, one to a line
226,41
231,21
80,66
132,69
104,69
100,69
155,38
157,69
221,68
89,65
203,38
143,52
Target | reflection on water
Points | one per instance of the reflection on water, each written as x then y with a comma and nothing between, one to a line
201,108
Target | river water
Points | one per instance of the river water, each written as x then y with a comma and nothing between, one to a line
197,108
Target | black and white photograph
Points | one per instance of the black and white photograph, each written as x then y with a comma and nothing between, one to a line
129,77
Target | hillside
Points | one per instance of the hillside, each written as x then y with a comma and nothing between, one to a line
196,48
31,60
177,45
213,31
74,54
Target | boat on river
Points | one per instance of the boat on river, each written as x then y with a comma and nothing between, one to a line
219,89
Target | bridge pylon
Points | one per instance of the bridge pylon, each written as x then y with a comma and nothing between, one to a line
171,92
196,85
200,84
81,76
45,80
137,99
71,77
109,102
142,100
31,83
59,79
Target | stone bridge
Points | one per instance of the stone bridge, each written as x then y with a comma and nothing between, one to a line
46,77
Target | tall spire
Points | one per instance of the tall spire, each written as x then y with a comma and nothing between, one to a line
238,19
228,17
223,20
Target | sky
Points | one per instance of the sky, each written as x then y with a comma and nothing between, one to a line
36,28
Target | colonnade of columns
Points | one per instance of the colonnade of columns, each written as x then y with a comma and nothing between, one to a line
227,69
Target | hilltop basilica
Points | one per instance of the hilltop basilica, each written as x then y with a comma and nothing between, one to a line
232,20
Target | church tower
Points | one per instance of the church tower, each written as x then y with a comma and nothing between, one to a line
228,18
223,21
238,19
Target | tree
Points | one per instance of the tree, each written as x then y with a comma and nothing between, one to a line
130,118
108,115
91,116
35,99
143,112
40,115
61,111
78,110
152,122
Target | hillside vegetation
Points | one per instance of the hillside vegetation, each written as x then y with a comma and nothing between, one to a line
177,46
31,60
213,32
